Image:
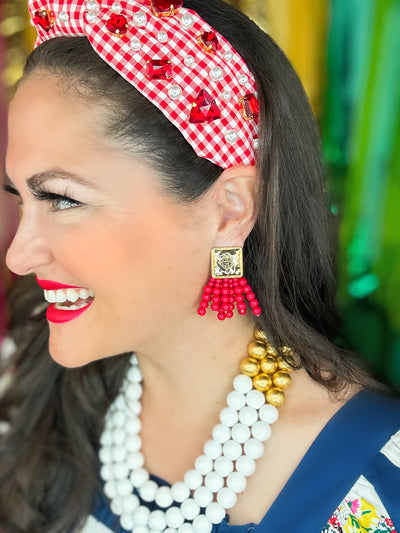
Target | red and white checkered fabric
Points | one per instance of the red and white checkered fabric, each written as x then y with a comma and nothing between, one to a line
227,141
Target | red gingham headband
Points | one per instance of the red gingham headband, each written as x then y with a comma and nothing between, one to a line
176,60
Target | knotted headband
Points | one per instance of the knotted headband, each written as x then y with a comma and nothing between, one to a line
176,60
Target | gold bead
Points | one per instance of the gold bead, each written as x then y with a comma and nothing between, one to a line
257,350
269,364
262,382
286,350
271,351
249,367
259,335
275,397
281,379
284,364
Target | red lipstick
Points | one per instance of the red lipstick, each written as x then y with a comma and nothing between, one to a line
60,316
48,285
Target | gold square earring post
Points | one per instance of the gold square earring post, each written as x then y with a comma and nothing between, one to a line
226,263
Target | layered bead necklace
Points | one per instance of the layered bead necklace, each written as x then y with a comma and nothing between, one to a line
219,474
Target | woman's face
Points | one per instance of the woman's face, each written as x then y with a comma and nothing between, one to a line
144,256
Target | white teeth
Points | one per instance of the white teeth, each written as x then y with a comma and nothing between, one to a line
72,295
71,307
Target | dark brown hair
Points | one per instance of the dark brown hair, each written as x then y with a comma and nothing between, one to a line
48,461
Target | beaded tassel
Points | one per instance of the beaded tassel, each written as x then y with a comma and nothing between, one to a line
224,293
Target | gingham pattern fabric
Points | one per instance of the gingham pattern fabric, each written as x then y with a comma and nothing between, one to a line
227,141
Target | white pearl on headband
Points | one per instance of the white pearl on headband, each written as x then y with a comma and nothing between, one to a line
140,19
228,55
136,44
162,36
116,8
63,16
187,21
175,92
216,73
91,17
227,95
256,144
92,5
231,137
189,61
243,79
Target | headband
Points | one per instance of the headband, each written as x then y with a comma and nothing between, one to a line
176,60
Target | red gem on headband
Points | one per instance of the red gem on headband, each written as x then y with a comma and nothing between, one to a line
159,69
44,18
208,41
117,25
250,108
204,109
165,8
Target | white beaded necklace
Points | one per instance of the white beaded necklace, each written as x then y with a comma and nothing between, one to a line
209,489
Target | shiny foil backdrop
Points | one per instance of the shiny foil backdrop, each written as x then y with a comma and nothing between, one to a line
346,53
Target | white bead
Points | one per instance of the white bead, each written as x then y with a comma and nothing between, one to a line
119,419
203,464
242,384
221,433
63,16
92,5
134,374
236,482
212,449
231,137
245,465
157,520
162,36
118,436
134,406
226,498
193,479
133,443
169,530
235,399
130,503
248,415
135,460
116,506
127,521
189,61
123,487
110,489
190,509
255,399
254,448
256,144
133,360
133,426
175,92
223,466
105,454
174,517
163,497
107,472
216,73
214,481
186,528
269,413
138,477
228,55
116,8
243,79
203,496
121,470
180,492
106,438
141,515
91,17
148,491
141,529
228,416
135,44
261,431
227,95
232,450
201,524
187,21
240,433
134,391
120,403
140,19
215,513
118,453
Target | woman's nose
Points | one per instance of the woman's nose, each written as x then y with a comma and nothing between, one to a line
28,251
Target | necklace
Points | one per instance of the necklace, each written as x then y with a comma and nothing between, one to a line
219,474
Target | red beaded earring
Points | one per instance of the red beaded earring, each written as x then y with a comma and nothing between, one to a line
227,285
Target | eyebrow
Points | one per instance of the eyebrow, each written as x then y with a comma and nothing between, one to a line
35,181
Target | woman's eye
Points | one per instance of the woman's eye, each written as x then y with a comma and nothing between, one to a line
62,203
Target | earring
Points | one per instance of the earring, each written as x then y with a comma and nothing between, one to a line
227,285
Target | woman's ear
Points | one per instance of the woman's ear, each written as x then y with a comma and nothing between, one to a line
234,194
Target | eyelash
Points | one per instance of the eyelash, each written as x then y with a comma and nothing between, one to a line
43,195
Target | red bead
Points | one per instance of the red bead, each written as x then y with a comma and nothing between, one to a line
165,8
201,311
242,282
257,311
250,296
225,307
209,42
239,298
253,303
225,300
250,107
44,18
241,306
221,316
206,297
247,289
159,69
242,311
231,299
204,109
204,305
216,299
238,290
217,292
208,289
229,314
215,307
117,25
225,292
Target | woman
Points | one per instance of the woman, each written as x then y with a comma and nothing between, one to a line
199,137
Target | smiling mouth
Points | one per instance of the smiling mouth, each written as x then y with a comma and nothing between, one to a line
69,299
